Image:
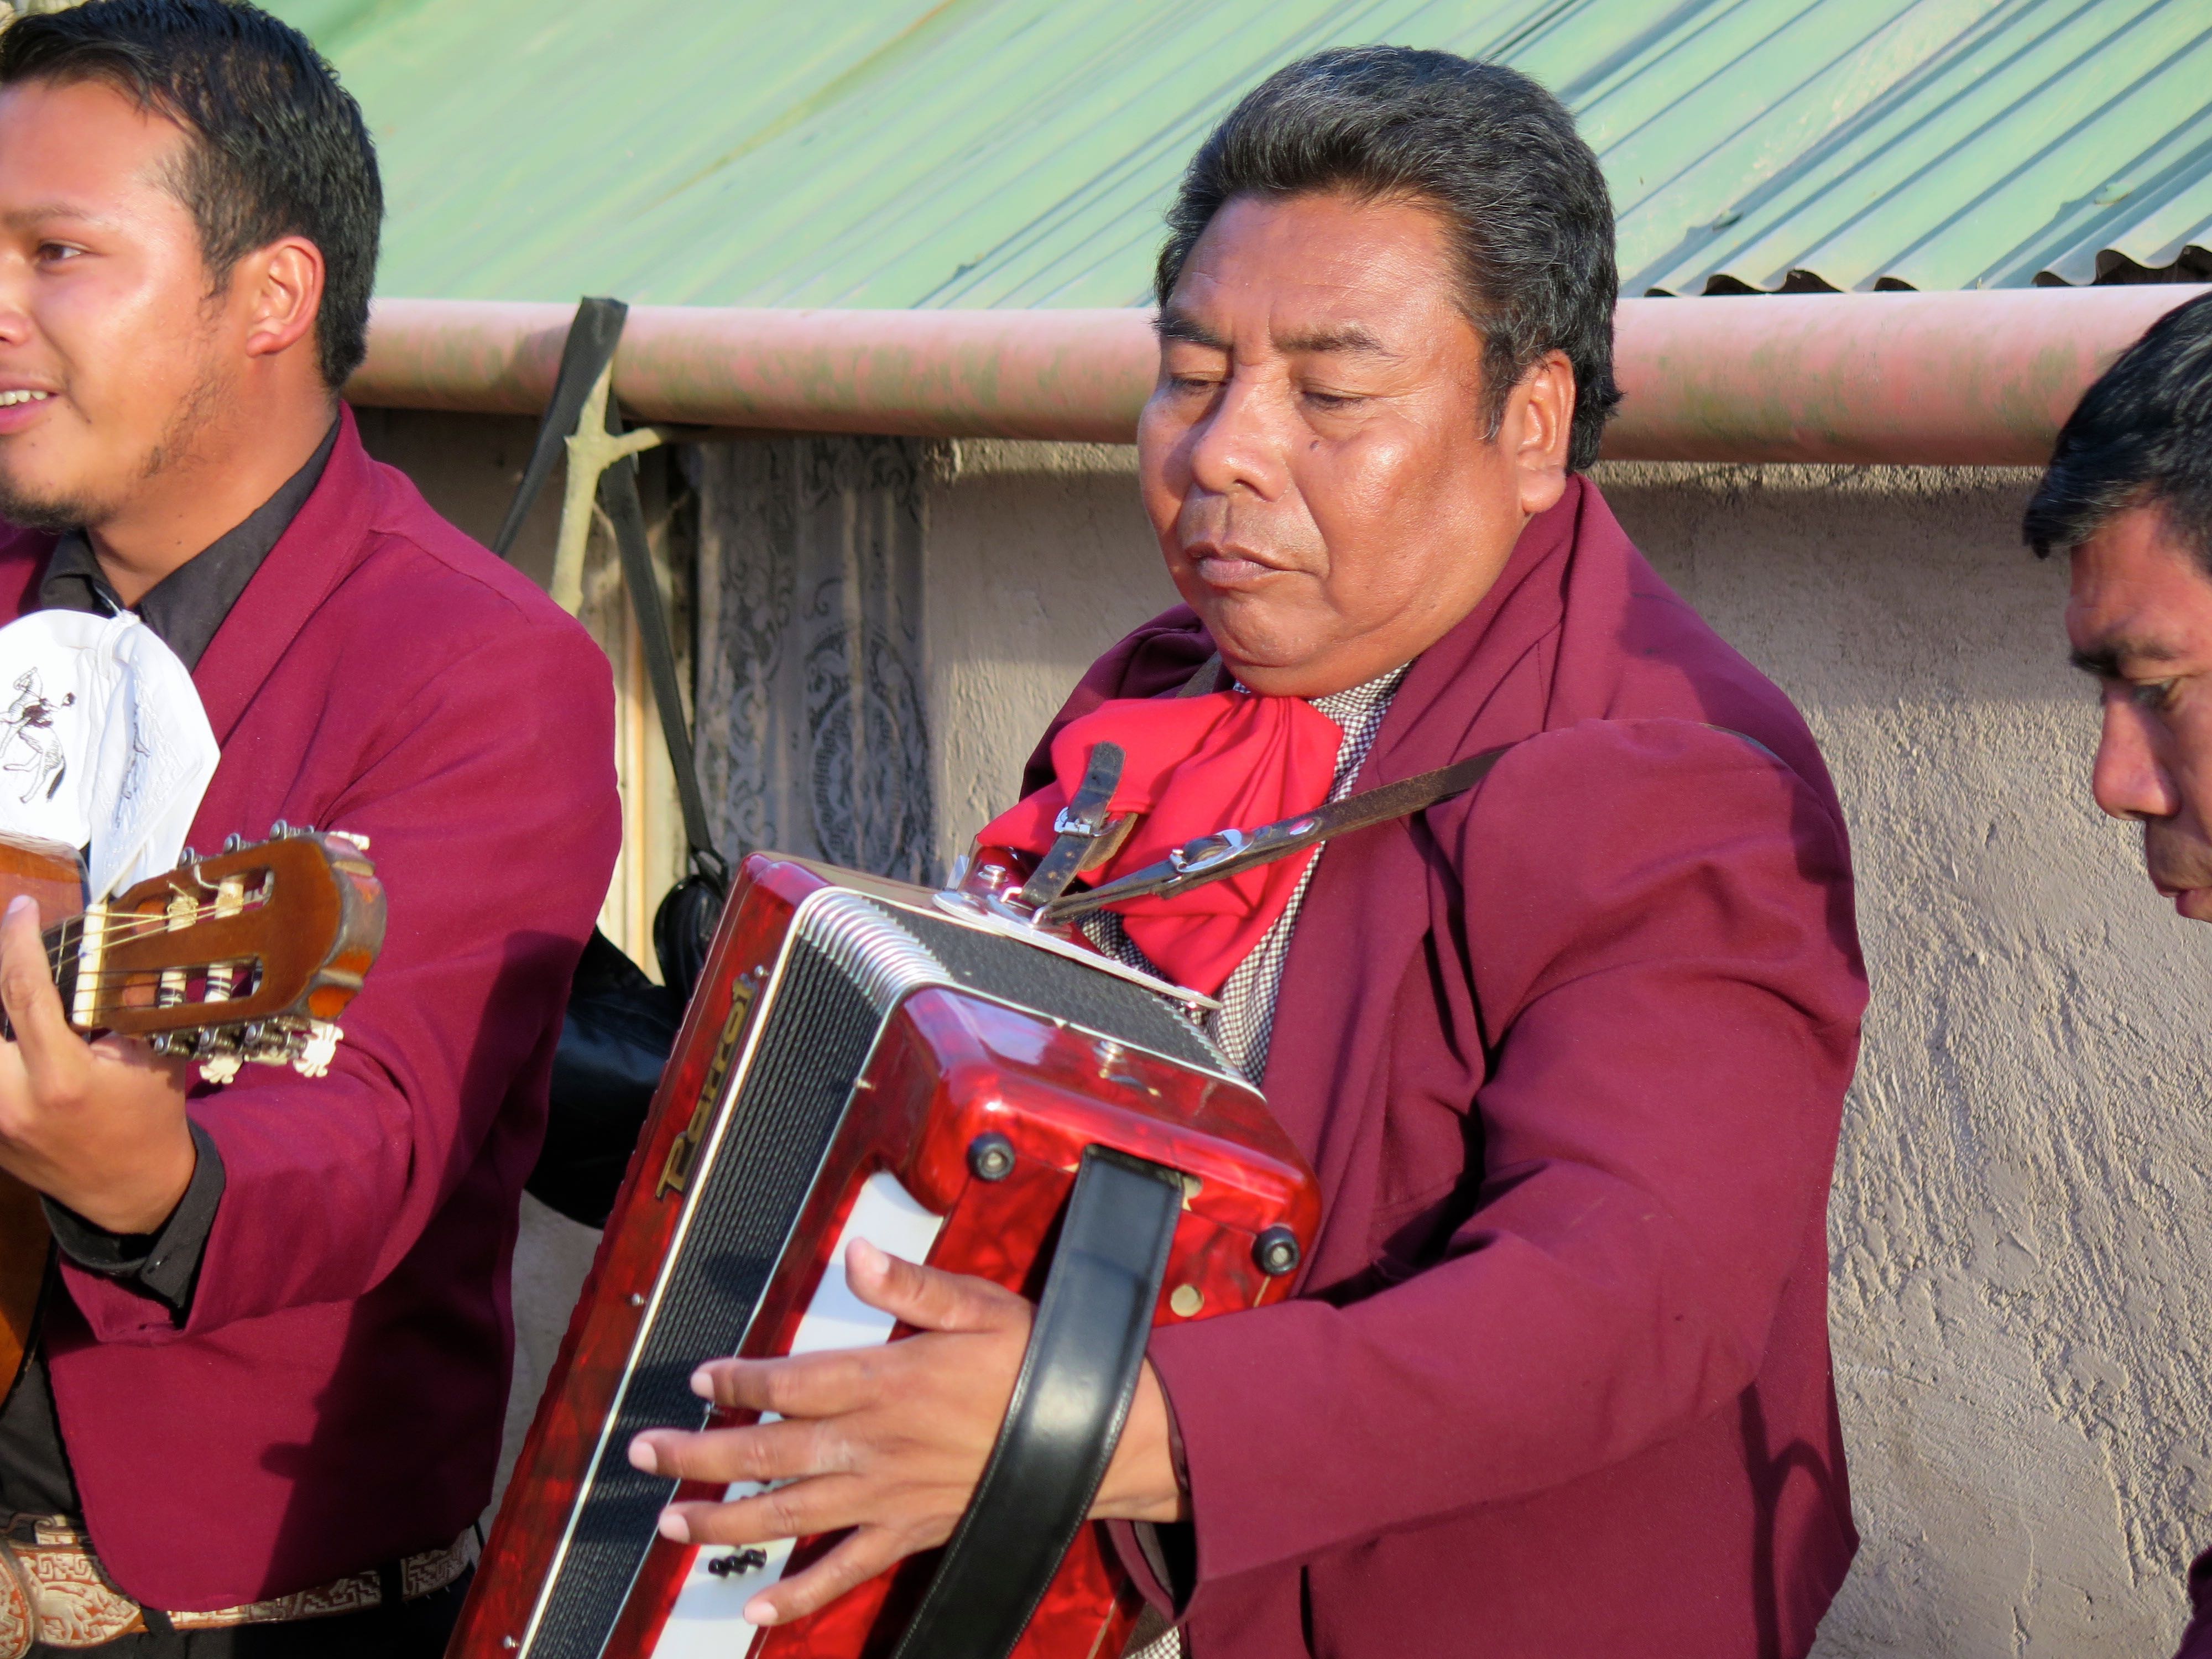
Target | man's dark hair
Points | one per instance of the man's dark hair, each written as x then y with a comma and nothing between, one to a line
1492,152
2141,436
278,146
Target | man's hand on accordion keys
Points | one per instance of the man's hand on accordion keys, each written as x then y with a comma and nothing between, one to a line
887,1442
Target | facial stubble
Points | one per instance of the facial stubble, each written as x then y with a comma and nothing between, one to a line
88,504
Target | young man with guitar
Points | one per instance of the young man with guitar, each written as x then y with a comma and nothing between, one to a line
263,1397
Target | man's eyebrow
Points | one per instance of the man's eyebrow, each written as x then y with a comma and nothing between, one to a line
39,213
1351,337
1175,324
2104,660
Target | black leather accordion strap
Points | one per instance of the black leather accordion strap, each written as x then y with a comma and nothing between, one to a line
1080,824
1212,858
1065,1416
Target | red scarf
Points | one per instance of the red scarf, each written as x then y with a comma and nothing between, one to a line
1195,765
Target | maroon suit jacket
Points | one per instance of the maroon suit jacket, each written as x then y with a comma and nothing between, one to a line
2196,1639
335,1398
1569,1057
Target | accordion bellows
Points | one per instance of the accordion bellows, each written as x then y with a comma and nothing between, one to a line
857,1063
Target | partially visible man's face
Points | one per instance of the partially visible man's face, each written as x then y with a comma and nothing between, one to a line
109,362
2140,618
1314,457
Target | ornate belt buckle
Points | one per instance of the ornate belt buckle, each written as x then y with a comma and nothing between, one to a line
67,1600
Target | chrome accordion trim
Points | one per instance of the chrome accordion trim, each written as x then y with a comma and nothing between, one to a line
863,938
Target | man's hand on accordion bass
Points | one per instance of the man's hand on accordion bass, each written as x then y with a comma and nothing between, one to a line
889,1442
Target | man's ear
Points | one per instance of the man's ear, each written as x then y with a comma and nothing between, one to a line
280,289
1537,427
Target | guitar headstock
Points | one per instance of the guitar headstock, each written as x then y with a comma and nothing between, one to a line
251,955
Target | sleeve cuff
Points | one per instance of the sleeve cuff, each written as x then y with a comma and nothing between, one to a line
165,1263
1162,1557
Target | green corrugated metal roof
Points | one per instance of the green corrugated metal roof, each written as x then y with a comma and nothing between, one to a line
1019,151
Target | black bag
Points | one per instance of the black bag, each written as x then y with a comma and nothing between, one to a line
620,1026
615,1038
684,927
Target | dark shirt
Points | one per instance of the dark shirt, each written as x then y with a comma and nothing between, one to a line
183,610
187,606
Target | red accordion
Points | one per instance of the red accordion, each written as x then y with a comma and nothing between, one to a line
864,1060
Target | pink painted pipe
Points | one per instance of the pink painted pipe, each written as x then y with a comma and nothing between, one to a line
1974,378
1072,375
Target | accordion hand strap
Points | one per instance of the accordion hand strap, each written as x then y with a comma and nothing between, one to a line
1065,1416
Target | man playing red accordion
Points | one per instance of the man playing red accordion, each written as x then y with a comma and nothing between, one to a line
1568,1052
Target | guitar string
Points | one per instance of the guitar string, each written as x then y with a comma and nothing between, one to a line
68,937
137,919
156,920
123,928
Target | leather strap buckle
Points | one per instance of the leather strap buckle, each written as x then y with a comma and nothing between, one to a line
1208,852
1089,825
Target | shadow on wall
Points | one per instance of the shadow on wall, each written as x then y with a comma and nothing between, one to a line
2021,1225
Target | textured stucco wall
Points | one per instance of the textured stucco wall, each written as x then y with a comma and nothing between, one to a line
2019,1220
1038,558
2022,1228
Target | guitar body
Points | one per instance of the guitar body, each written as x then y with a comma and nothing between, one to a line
54,876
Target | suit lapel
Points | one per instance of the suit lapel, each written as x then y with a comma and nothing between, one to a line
327,540
1363,919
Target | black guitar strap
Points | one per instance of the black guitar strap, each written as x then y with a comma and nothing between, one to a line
685,920
590,347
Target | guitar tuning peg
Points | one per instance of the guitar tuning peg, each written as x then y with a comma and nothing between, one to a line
233,843
188,857
279,829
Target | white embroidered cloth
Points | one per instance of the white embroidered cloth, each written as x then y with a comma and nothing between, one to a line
103,742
